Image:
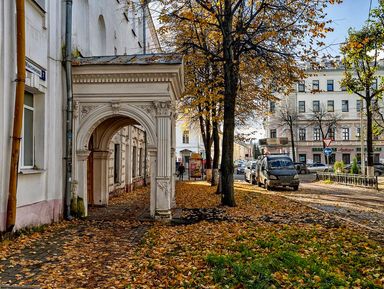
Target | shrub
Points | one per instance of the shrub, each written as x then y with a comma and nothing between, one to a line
354,167
338,167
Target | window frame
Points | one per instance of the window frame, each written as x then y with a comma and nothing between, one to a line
330,85
273,131
315,84
343,103
301,106
22,151
318,105
117,164
272,106
186,136
302,134
301,86
316,134
359,106
345,133
328,105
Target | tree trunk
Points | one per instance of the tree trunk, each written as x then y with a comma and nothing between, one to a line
216,154
370,168
230,92
292,144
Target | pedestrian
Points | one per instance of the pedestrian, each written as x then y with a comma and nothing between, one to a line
181,171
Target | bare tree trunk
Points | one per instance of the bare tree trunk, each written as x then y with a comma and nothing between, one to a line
216,154
292,144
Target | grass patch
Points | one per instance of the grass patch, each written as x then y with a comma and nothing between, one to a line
328,182
296,259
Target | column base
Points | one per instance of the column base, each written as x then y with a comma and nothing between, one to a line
163,215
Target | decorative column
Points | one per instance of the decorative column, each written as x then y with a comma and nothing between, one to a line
164,161
100,177
81,173
152,153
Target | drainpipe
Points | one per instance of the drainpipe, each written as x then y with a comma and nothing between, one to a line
144,28
18,115
69,114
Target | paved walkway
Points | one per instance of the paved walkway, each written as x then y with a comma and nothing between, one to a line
96,244
364,206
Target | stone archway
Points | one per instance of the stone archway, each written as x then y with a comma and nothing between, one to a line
113,92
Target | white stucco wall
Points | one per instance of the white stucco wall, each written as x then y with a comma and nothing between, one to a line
40,191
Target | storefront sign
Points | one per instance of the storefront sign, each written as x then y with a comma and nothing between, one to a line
346,150
32,68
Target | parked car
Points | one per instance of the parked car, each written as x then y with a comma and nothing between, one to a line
240,169
318,167
301,168
277,171
249,171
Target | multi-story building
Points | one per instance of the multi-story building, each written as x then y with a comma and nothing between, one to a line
189,140
120,101
321,94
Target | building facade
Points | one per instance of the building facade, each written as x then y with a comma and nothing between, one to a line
318,102
100,28
189,140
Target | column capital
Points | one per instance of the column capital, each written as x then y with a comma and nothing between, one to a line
163,109
82,155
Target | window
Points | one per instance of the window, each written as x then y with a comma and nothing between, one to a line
359,105
134,161
117,163
316,106
301,86
303,158
316,133
316,158
330,106
28,141
358,133
345,133
344,106
273,133
302,134
186,136
301,106
330,85
315,85
272,106
346,158
331,133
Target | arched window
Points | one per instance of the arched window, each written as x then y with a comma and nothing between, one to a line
186,136
102,39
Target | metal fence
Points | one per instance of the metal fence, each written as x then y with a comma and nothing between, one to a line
351,180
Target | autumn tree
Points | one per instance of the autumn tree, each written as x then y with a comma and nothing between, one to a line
361,62
274,34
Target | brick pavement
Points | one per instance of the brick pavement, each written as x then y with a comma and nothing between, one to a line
118,223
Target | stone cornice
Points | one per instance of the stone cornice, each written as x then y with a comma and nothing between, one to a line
156,77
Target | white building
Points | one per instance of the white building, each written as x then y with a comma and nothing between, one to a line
189,140
109,98
320,91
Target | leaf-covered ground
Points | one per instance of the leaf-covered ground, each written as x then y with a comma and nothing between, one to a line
265,242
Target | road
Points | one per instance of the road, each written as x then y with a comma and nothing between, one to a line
359,205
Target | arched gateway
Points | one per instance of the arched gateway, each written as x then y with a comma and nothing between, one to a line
113,92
